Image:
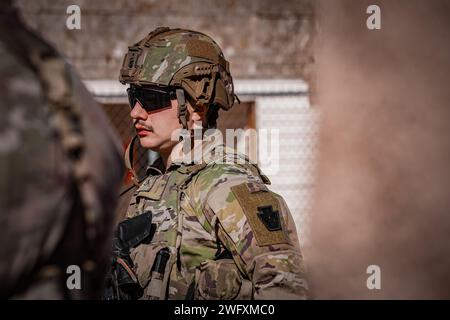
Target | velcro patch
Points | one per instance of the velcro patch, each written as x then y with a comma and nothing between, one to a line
263,212
198,48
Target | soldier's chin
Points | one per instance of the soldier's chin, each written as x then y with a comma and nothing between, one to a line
149,142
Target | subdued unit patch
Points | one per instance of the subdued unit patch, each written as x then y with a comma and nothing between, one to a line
270,218
250,203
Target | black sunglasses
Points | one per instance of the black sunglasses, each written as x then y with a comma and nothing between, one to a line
151,99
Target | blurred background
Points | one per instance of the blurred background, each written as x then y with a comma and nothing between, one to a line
380,194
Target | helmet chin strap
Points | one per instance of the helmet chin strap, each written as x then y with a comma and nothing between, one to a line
183,117
182,108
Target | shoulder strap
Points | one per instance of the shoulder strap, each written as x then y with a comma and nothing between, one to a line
67,122
190,172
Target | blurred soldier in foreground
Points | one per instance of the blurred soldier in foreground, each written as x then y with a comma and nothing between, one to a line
203,224
60,169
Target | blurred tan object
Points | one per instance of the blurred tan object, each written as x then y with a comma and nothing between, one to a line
384,175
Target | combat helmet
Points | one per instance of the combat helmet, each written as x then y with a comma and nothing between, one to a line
184,59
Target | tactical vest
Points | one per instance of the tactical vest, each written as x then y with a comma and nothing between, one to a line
191,240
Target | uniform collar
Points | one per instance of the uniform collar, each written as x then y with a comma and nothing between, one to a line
202,151
156,168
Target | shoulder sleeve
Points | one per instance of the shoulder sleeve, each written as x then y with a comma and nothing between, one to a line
255,225
33,176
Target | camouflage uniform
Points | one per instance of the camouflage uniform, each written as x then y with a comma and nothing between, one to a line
60,169
203,209
228,236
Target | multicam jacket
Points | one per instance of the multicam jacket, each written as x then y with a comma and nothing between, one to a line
229,237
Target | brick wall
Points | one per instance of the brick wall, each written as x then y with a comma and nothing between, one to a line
261,38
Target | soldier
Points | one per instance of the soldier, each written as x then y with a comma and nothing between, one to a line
214,229
60,169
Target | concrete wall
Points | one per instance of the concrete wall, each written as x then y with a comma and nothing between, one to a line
261,38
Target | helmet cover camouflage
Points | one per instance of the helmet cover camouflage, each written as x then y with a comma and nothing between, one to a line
181,58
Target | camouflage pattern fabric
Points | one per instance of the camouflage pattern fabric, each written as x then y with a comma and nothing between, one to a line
200,214
169,53
41,215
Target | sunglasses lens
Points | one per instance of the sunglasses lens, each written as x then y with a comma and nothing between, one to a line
154,100
149,99
131,98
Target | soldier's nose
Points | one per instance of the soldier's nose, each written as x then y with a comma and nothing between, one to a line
138,112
